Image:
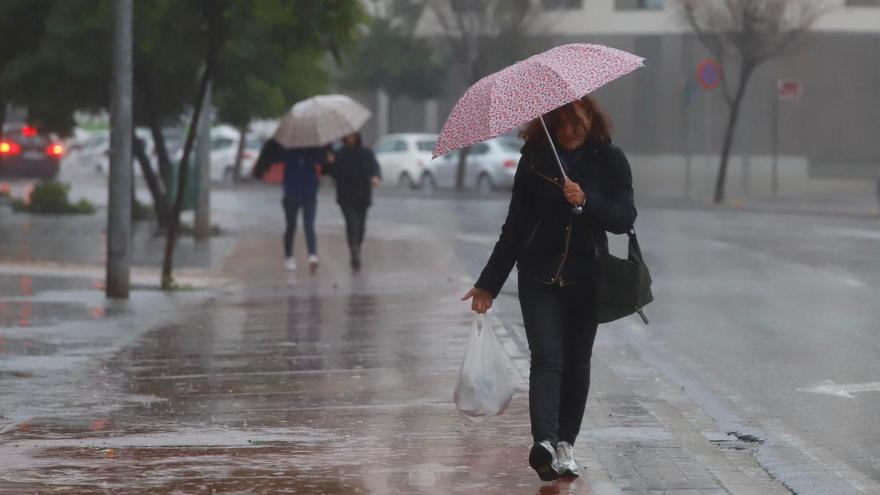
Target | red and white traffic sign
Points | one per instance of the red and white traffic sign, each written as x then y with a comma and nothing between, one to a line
708,74
789,89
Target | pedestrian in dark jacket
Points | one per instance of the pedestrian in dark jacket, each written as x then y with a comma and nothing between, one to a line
355,170
556,253
300,184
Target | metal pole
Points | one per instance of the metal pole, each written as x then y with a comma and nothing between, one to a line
120,182
202,226
774,179
577,210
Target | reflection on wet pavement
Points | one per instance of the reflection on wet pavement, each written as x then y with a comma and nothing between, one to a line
328,383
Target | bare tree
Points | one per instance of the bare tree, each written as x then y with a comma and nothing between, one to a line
742,35
483,35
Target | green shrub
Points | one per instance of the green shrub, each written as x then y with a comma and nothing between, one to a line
50,198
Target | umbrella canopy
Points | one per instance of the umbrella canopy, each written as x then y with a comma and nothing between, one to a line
320,120
530,88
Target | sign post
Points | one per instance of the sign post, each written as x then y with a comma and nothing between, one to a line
786,90
708,77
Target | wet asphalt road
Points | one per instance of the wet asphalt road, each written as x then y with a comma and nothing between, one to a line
754,312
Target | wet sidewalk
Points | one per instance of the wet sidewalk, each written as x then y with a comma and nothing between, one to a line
340,382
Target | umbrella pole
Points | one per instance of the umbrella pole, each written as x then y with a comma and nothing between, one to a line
577,210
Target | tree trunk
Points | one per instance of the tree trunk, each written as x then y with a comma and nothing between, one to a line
461,169
729,134
160,199
236,170
174,224
216,38
155,125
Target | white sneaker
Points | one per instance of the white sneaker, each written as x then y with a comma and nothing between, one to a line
565,457
290,264
542,458
313,259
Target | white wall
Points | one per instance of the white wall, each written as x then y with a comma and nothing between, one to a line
598,17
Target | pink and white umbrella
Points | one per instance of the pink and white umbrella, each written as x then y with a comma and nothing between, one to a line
530,88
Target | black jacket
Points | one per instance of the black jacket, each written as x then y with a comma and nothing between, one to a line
542,235
353,171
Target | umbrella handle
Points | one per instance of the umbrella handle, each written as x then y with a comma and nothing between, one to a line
577,210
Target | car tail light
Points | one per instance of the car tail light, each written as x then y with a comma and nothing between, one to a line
55,150
28,131
509,163
9,148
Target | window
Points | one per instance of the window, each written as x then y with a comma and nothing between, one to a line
562,4
514,145
220,143
639,4
479,149
426,145
389,145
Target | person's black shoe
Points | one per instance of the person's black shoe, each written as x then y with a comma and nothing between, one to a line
542,458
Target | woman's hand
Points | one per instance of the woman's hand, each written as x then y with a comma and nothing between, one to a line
573,193
376,181
482,300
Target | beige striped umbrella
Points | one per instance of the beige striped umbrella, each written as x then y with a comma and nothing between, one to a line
320,120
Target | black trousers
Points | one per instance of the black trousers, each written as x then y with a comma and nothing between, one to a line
560,326
292,206
355,223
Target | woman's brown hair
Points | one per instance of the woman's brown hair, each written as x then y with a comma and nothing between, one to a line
600,127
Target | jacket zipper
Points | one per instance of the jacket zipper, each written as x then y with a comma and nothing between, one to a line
565,254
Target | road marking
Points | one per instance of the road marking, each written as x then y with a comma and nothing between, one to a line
854,282
828,387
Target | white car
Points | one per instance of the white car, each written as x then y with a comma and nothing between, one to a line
224,147
490,166
405,160
89,152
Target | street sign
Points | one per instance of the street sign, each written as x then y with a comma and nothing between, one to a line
789,89
708,74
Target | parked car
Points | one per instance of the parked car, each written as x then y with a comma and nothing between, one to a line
26,152
224,148
90,151
406,160
491,165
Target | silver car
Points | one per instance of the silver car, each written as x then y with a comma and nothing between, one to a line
491,165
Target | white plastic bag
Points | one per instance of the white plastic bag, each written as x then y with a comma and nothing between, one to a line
484,384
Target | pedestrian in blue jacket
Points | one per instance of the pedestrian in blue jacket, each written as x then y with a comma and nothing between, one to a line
300,192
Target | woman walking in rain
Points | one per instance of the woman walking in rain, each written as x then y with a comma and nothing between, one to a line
555,226
300,185
356,172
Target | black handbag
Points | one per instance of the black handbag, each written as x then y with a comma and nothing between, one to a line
624,285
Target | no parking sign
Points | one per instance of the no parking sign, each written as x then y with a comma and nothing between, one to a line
708,74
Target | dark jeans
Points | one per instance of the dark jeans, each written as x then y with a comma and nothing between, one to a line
291,211
355,223
561,327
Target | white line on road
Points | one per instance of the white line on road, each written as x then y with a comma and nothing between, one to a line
828,387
